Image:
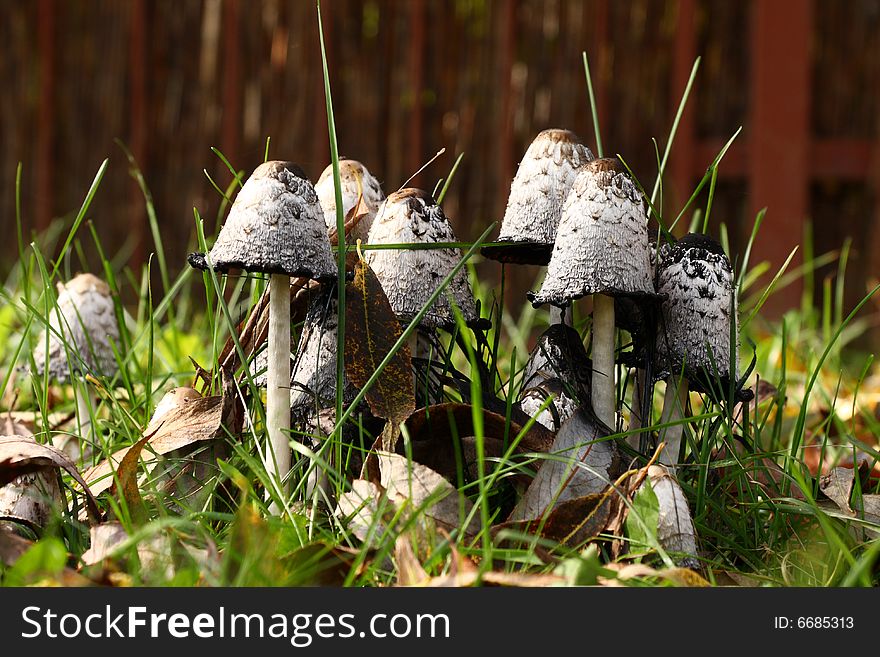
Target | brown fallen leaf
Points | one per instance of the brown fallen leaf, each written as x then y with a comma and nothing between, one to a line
462,572
682,577
12,547
420,488
20,455
105,538
190,422
580,463
372,329
571,522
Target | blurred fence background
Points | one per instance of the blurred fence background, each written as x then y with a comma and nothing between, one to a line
172,78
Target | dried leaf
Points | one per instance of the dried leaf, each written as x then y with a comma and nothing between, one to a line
371,331
192,421
571,522
360,507
20,455
126,482
580,464
422,489
443,422
105,538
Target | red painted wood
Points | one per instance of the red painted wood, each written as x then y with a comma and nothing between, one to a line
231,129
779,166
416,156
679,184
138,117
45,147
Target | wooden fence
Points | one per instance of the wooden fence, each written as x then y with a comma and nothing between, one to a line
172,78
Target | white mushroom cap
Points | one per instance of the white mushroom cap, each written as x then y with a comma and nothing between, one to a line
313,372
275,226
86,319
558,366
602,243
537,193
357,184
409,277
696,278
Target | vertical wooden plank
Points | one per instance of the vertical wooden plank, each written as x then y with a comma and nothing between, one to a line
506,163
600,69
138,116
782,33
46,114
416,57
232,88
681,164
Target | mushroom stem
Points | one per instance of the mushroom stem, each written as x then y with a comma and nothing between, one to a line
604,399
674,404
85,409
560,316
278,381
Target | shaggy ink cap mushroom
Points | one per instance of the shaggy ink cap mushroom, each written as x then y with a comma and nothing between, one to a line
275,226
84,325
537,193
313,372
558,366
602,242
358,184
410,276
694,334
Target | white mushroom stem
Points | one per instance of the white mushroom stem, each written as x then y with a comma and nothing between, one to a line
560,315
674,404
278,380
85,409
604,397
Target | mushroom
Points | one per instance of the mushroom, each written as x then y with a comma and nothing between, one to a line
558,366
697,320
79,341
537,193
357,185
275,227
410,276
601,249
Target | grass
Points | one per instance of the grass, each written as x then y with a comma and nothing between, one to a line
752,526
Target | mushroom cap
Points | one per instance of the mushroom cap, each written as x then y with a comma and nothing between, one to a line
85,317
602,242
313,371
357,182
558,366
537,193
275,226
696,277
409,277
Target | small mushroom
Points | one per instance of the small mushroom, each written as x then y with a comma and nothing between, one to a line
358,185
410,276
537,193
697,320
79,341
275,227
601,249
559,367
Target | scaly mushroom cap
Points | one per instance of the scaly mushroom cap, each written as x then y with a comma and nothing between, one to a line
558,366
537,193
357,183
409,277
696,277
602,243
86,320
275,226
313,371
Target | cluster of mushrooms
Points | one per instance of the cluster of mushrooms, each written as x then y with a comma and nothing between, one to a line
582,217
